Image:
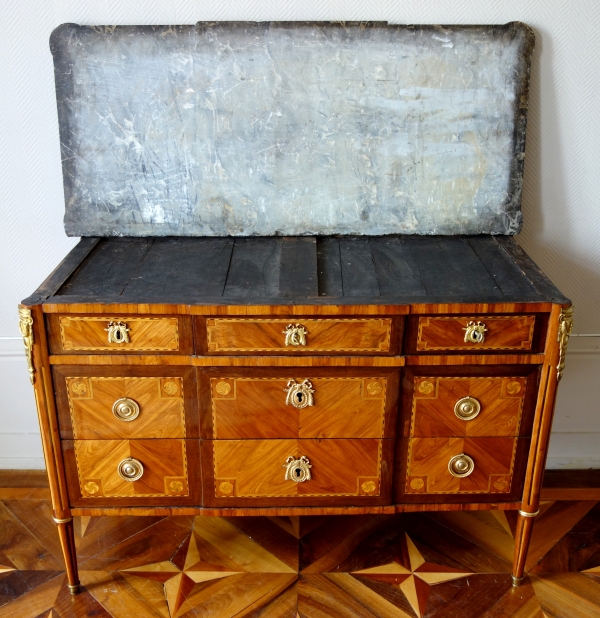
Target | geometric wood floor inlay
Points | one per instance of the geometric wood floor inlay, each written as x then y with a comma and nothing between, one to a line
435,565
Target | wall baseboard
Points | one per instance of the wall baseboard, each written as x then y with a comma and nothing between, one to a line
23,478
571,485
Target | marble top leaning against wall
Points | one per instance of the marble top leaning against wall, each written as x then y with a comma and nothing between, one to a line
248,129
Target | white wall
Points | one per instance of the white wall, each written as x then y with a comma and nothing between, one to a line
562,172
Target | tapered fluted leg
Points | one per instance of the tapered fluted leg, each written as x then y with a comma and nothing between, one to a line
67,541
522,538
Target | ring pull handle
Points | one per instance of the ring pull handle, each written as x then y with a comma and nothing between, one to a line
461,465
467,408
297,470
126,409
299,395
475,332
295,335
117,332
130,469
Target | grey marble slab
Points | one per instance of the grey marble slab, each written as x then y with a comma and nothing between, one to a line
292,128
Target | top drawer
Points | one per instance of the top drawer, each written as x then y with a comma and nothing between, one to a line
299,336
475,333
77,334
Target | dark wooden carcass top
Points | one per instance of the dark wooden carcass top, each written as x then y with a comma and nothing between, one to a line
340,270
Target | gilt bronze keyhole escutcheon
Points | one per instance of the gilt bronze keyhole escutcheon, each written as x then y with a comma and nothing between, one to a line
299,395
295,335
297,470
117,332
475,332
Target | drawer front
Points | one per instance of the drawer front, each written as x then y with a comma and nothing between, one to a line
299,336
110,403
110,472
119,334
467,406
473,333
256,471
260,408
462,469
301,406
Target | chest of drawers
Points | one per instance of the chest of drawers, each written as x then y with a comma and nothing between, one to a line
412,375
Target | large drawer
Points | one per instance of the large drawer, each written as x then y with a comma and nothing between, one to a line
255,472
459,469
119,334
297,335
132,472
285,403
469,401
126,402
473,334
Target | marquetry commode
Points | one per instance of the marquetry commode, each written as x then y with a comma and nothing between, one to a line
214,360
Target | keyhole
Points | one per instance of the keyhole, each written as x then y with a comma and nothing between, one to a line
118,335
299,395
298,471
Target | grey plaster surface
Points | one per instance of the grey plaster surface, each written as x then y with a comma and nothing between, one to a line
292,128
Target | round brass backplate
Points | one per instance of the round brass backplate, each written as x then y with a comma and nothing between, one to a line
467,408
461,465
130,469
126,409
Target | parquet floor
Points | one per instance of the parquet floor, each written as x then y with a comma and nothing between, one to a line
436,565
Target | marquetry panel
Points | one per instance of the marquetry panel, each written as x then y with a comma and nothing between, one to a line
126,402
256,468
160,403
90,334
434,400
448,333
164,468
347,336
428,458
351,407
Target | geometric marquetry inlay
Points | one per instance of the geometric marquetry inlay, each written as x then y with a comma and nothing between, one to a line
244,408
255,468
412,574
325,335
513,332
163,461
435,399
92,403
144,334
428,465
179,576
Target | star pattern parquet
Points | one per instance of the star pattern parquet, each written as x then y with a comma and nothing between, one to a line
393,566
